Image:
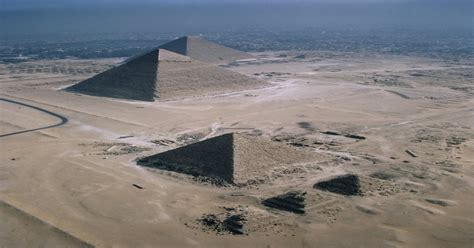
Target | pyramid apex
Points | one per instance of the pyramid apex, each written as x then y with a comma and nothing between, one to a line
189,37
198,48
165,55
186,38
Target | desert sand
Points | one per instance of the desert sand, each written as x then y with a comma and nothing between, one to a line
392,139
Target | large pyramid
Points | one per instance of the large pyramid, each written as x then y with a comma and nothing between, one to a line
235,158
164,75
206,51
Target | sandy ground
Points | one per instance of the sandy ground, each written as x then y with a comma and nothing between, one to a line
68,176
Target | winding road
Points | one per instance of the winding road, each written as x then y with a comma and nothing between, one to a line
63,120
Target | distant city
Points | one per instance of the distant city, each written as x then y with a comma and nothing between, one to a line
453,45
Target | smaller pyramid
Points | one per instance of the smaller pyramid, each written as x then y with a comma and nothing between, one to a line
234,158
344,185
205,51
293,201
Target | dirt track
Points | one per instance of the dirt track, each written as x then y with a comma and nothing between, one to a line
63,120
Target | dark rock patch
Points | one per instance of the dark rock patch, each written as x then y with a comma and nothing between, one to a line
331,133
232,221
234,224
455,141
355,136
137,186
306,126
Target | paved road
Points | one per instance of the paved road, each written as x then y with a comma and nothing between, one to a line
63,120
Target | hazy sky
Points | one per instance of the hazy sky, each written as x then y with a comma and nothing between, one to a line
14,4
141,16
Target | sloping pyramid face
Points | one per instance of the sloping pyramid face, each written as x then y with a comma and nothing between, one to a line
134,80
205,51
235,158
164,75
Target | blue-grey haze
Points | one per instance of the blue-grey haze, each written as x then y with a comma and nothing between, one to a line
99,27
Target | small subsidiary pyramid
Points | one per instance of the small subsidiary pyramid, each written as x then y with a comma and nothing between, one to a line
293,201
234,158
206,51
344,185
161,74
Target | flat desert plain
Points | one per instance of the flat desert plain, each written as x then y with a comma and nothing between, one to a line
398,130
